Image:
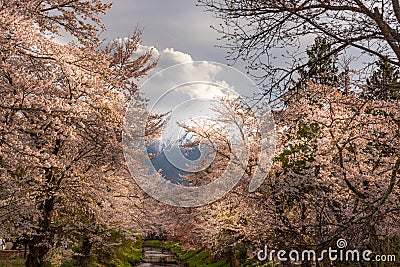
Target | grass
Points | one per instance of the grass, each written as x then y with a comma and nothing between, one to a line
195,258
127,254
203,258
12,262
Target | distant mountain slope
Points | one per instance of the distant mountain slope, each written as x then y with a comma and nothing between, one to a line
160,161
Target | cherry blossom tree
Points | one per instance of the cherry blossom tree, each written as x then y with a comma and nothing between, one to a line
62,107
270,35
236,224
336,170
335,175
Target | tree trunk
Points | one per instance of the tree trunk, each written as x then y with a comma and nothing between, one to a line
36,254
83,259
39,244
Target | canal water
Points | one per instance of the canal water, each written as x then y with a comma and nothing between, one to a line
156,257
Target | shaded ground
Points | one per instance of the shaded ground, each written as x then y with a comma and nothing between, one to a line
146,264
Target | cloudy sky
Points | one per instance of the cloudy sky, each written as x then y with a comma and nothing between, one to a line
176,25
180,33
191,91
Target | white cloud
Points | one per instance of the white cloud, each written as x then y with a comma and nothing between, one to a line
202,76
170,57
167,86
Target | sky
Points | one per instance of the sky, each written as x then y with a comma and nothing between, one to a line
177,25
180,33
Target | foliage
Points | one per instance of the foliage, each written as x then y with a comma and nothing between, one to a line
321,65
194,258
12,262
70,263
303,152
204,257
124,252
384,83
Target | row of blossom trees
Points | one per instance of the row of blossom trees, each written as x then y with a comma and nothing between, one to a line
62,173
335,172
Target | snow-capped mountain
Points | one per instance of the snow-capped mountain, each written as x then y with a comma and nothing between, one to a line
157,151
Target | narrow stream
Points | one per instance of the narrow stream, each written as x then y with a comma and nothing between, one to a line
156,257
